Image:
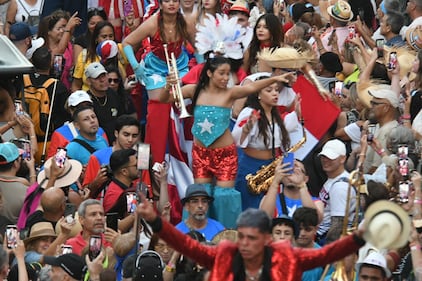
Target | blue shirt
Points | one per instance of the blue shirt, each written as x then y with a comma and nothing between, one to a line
315,273
212,228
80,153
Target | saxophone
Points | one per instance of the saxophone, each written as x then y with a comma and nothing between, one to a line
261,181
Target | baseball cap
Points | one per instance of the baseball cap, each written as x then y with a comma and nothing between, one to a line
72,264
94,70
194,190
386,93
20,30
333,149
298,9
78,97
376,259
9,152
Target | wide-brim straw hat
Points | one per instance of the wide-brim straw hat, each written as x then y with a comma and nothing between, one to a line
285,57
40,230
227,234
387,225
414,37
405,57
71,171
341,11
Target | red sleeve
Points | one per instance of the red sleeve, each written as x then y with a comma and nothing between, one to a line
203,254
241,74
92,169
287,26
57,140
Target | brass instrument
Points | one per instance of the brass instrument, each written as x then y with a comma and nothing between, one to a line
175,88
310,73
261,181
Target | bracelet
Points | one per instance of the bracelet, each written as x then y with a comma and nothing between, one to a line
417,201
169,268
405,116
381,151
415,247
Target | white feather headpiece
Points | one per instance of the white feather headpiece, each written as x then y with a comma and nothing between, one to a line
221,35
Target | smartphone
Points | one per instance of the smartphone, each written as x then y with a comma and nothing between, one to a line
108,169
11,236
142,188
60,156
403,151
19,108
131,202
69,212
352,32
331,86
404,191
338,88
95,244
26,150
289,158
157,167
112,220
58,65
392,60
127,7
380,47
66,249
143,156
404,167
371,132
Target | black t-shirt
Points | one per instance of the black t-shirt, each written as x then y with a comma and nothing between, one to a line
36,217
415,104
108,109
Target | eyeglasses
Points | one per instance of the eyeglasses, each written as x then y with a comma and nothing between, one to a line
113,80
374,103
95,9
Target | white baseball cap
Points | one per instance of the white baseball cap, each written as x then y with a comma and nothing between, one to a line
78,97
376,259
333,149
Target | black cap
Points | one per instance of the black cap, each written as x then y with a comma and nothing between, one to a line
195,190
331,62
72,264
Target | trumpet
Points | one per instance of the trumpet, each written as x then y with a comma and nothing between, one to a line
175,89
261,181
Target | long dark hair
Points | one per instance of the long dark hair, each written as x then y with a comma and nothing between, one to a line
211,64
263,122
181,26
92,47
277,36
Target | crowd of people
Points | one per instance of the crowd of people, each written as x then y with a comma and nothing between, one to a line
211,140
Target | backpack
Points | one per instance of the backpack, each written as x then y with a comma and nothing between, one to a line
148,267
32,19
37,103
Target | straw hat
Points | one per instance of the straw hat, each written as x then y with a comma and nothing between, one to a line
285,57
341,11
241,6
405,57
414,37
39,230
387,225
71,171
227,234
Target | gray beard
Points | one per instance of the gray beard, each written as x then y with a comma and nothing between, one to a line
200,217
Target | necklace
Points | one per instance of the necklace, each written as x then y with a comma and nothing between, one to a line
98,100
253,277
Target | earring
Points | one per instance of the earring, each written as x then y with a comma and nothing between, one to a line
259,97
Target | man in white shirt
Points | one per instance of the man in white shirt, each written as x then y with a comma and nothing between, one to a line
334,192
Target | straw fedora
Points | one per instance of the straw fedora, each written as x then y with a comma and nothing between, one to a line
341,11
285,57
241,6
71,171
387,225
414,37
39,230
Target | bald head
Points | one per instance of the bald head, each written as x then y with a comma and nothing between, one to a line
52,201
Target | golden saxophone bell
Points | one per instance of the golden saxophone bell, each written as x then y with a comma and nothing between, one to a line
175,89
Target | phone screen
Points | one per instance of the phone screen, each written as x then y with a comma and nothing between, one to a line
289,158
392,62
19,108
338,88
143,156
112,220
131,202
26,150
11,236
404,191
61,157
331,86
95,244
380,47
370,133
66,249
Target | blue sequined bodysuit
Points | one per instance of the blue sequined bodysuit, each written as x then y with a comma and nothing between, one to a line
210,122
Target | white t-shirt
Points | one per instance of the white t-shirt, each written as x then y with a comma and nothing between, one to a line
334,196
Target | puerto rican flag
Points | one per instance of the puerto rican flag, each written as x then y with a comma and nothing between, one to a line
179,157
318,115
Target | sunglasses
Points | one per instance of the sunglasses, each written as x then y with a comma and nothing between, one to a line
95,9
113,80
